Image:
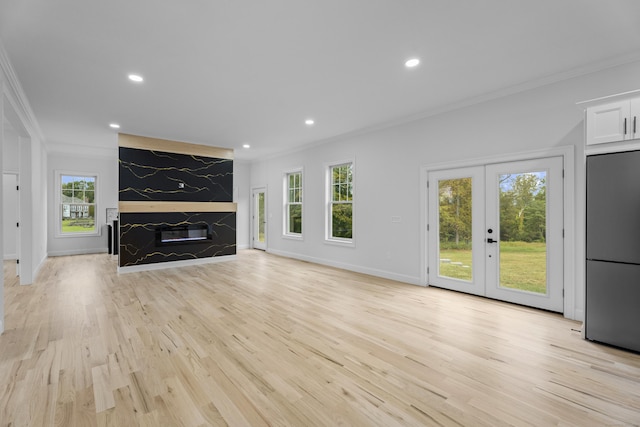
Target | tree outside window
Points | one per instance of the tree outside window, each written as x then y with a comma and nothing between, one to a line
341,204
294,203
77,204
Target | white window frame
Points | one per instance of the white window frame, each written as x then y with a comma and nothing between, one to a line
286,202
341,241
58,203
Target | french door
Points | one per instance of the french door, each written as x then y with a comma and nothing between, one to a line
259,229
497,231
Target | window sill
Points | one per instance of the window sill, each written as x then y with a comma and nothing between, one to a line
349,243
69,235
293,237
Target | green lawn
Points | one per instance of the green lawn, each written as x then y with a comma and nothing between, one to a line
78,225
522,265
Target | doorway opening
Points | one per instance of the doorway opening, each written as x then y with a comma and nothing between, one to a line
259,218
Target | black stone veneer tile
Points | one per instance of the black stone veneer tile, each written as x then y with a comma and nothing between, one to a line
138,237
146,175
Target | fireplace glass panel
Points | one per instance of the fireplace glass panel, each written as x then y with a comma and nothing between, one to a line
182,234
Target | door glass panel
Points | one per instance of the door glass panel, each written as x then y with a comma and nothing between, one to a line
523,223
455,256
261,220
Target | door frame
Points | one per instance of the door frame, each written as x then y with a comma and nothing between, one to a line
567,154
254,191
17,254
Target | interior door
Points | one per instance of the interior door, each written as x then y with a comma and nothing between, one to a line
11,203
496,231
259,219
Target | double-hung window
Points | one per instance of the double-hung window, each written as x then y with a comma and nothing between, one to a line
76,199
293,204
340,203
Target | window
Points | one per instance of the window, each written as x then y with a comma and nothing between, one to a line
77,204
293,204
340,222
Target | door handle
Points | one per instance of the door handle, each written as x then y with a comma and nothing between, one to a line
490,240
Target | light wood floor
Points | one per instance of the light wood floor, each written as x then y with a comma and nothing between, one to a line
264,340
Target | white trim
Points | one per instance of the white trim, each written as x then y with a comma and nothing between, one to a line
328,239
467,102
78,252
609,98
40,264
612,147
412,280
252,215
173,264
285,201
570,256
19,103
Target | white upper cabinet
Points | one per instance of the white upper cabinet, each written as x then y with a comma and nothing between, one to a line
634,126
613,122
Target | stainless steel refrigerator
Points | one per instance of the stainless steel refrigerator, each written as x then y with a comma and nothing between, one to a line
613,249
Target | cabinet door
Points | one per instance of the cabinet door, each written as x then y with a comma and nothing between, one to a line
608,123
634,118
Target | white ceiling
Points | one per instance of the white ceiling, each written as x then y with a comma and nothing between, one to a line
228,72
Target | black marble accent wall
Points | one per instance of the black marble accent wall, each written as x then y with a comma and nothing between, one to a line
175,201
139,243
147,175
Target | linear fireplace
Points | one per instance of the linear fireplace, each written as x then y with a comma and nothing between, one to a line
181,234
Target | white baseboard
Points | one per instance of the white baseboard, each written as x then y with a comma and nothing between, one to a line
10,257
38,266
172,264
241,247
356,268
79,252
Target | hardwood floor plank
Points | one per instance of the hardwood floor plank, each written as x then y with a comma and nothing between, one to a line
269,341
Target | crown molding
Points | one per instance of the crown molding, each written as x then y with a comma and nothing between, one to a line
18,99
467,102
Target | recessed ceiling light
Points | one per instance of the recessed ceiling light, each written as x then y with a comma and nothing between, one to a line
135,78
412,62
246,146
114,125
309,122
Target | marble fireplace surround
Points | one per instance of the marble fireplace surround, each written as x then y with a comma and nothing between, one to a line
164,184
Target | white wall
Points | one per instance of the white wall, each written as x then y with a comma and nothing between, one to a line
2,138
242,196
10,216
10,168
26,155
39,204
388,164
10,151
106,167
